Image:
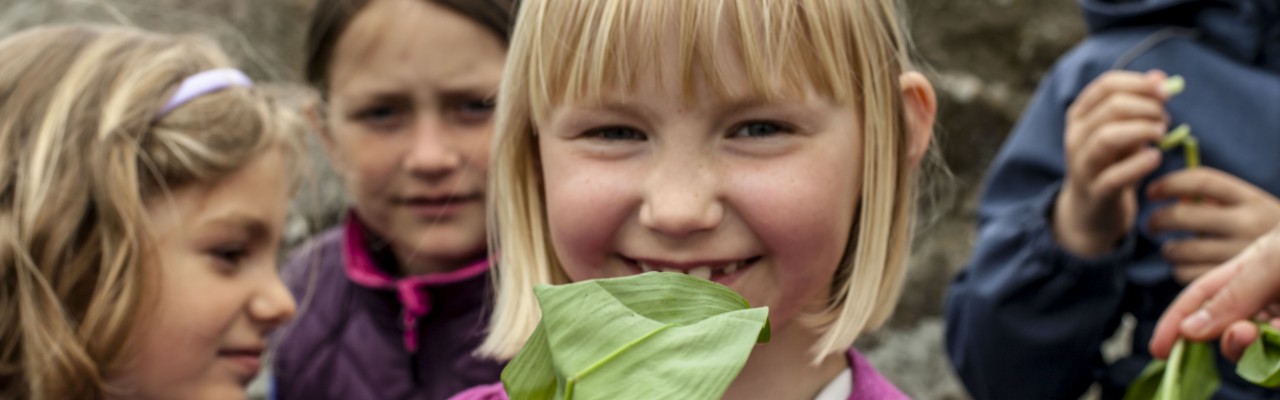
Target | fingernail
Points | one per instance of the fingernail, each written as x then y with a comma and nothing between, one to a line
1196,324
1229,342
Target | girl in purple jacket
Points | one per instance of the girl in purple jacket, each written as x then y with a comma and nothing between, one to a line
392,299
770,146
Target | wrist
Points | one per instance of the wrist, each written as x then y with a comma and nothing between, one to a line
1072,231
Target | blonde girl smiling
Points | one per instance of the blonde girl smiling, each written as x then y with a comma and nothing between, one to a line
771,146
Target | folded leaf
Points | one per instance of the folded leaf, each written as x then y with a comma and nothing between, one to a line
1260,363
1198,376
1189,374
655,335
1148,382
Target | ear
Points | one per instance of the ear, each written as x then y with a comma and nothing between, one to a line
318,123
921,106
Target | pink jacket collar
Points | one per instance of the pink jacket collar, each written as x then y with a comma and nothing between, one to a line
411,290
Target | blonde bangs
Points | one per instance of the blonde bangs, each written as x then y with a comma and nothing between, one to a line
579,49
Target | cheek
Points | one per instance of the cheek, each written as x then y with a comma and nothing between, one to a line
802,212
180,338
367,162
586,205
474,144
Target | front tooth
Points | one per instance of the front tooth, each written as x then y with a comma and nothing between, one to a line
703,272
645,267
732,268
672,270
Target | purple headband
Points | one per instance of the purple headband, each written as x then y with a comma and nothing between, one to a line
204,83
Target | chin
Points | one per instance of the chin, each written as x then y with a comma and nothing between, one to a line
230,391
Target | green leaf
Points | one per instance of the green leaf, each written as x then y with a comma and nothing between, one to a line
654,335
1198,375
1189,374
1148,382
1260,363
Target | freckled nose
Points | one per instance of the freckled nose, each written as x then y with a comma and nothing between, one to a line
681,202
432,154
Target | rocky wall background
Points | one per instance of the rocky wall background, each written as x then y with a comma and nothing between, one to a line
984,56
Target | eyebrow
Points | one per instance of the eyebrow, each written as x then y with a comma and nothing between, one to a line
402,93
629,110
257,227
632,110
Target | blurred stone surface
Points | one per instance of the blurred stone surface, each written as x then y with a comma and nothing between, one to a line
984,57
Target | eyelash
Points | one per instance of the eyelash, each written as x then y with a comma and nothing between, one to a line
389,116
380,116
603,133
231,256
474,110
776,128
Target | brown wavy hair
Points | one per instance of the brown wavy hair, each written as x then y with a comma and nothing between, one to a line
81,150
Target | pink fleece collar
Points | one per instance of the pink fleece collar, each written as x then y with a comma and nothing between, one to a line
411,290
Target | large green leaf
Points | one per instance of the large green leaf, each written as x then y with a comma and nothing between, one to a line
1189,374
654,335
1260,363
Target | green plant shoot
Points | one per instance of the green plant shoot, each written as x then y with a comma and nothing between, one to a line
650,336
1260,363
1175,137
1191,150
1174,85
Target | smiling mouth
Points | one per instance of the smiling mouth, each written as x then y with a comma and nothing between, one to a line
717,271
248,362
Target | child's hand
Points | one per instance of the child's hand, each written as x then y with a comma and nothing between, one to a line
1224,212
1221,302
1110,128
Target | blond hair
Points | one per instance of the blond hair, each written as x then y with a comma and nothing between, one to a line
83,151
565,51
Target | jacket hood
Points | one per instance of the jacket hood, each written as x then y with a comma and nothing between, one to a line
1247,30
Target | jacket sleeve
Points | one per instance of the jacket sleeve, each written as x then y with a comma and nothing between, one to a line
1026,319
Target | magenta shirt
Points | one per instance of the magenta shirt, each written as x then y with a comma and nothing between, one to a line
868,384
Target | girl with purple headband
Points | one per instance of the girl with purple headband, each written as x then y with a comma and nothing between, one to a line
142,200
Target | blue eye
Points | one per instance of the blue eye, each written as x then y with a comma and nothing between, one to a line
755,129
617,133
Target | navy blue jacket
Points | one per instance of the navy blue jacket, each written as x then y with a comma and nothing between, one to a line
1026,319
